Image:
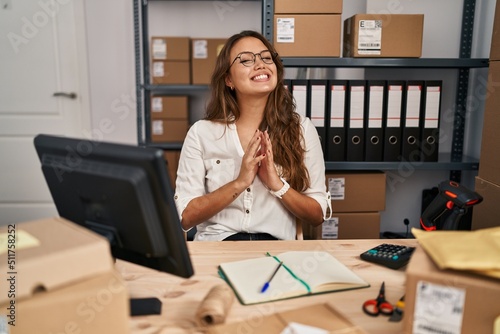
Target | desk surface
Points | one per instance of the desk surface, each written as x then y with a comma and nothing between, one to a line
181,297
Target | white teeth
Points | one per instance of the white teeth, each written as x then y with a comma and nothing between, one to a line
262,76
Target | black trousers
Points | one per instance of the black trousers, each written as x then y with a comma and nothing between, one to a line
250,236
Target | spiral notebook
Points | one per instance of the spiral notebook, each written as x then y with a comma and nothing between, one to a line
302,273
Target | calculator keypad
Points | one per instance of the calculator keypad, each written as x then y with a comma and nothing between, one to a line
389,255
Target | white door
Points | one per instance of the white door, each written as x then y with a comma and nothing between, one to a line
42,49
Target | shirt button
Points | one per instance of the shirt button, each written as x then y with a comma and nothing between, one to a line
248,189
247,211
217,162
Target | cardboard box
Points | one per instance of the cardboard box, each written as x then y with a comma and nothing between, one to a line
203,58
448,301
325,318
313,35
356,191
61,279
350,225
485,214
170,48
489,166
169,130
383,35
173,107
308,7
495,37
171,72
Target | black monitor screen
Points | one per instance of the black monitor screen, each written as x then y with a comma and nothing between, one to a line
122,192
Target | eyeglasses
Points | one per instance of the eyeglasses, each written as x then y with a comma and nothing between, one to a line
247,58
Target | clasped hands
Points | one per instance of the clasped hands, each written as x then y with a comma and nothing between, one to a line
258,161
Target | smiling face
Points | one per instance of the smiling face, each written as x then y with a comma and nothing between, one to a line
259,78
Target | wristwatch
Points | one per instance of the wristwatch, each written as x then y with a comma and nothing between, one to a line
279,194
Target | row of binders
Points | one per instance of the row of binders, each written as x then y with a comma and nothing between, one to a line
372,120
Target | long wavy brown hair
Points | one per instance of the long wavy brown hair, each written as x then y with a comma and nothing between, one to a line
280,118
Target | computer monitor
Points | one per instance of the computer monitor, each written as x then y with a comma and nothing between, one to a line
122,192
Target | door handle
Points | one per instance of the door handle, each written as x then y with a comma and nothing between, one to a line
71,95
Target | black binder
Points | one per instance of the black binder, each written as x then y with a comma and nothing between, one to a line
374,134
431,106
411,124
299,92
336,120
317,92
393,120
355,121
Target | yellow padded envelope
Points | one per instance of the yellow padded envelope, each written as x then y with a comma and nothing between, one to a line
476,251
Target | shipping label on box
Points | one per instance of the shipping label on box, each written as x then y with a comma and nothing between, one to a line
330,229
285,30
159,48
200,49
438,309
158,69
370,37
336,187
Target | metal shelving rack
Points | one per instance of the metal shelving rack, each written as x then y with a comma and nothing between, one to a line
455,162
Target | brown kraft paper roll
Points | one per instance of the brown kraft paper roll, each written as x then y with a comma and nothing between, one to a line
215,306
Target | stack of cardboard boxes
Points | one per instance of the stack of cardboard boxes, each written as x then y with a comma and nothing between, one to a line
178,61
169,118
488,180
357,199
183,60
314,29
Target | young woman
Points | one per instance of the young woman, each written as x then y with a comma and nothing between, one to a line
253,165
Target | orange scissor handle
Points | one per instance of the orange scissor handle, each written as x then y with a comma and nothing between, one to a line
375,307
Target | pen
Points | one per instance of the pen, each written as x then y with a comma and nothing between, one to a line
266,285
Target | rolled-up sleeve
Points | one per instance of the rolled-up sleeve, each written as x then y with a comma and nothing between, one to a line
190,172
315,164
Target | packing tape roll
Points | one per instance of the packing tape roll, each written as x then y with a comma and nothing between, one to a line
215,306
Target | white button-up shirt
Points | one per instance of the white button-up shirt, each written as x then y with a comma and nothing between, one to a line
211,157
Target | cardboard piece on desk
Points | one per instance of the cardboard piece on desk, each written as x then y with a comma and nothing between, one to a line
321,316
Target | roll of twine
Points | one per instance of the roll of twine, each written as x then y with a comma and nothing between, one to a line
215,306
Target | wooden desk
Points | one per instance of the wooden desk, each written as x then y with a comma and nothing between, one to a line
181,297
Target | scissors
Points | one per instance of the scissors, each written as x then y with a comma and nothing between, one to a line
374,307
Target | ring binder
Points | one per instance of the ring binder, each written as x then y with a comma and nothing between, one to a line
375,102
355,121
336,121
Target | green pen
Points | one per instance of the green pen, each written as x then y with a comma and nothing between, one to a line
266,285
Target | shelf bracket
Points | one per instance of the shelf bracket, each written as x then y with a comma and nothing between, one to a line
462,88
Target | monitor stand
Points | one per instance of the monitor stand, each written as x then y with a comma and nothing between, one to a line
145,306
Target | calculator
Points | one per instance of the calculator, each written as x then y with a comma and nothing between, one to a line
389,255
